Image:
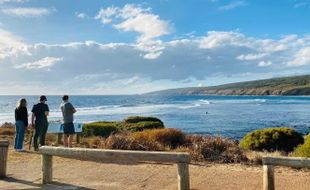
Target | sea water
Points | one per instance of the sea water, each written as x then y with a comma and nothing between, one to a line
229,116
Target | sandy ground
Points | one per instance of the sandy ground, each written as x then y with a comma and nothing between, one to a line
24,173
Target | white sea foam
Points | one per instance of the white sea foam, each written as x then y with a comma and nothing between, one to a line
205,101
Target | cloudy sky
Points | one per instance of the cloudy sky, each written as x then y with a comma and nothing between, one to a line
130,47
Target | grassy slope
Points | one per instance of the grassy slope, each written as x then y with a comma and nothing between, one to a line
298,85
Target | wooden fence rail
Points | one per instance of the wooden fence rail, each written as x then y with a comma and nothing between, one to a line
270,162
181,159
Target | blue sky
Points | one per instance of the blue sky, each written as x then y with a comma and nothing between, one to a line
128,47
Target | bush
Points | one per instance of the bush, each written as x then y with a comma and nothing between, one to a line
167,137
140,126
7,131
137,119
283,139
103,129
214,149
125,142
304,149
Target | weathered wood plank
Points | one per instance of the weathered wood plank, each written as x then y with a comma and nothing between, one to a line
4,145
183,176
116,155
47,168
295,162
268,177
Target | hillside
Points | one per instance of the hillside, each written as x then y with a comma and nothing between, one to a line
286,86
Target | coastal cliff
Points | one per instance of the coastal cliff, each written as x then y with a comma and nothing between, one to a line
285,86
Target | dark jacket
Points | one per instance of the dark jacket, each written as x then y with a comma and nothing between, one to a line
21,114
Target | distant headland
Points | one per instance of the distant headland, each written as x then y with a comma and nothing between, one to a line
284,86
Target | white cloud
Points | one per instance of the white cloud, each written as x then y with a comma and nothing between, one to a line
12,1
10,45
105,15
232,5
133,18
301,57
249,57
28,12
81,15
44,63
264,63
91,67
215,39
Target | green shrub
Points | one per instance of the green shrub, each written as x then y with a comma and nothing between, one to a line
166,137
137,119
140,126
103,129
271,139
304,149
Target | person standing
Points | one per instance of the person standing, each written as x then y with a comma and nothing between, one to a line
39,120
21,123
67,110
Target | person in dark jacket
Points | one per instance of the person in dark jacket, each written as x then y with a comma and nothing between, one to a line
40,112
21,123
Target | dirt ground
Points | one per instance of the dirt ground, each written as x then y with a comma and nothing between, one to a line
24,172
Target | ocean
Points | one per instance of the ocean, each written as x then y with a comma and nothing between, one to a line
229,116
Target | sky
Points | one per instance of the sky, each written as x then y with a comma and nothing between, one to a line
132,47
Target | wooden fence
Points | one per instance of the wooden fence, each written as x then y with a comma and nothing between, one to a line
181,159
4,146
270,162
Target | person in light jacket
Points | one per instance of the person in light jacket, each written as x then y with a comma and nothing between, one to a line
67,110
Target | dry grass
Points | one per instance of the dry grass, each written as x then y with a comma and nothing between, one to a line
255,157
201,148
7,129
166,137
125,142
215,149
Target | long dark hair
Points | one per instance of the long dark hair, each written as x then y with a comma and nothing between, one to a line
21,103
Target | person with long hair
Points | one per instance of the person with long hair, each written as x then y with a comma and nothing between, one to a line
21,123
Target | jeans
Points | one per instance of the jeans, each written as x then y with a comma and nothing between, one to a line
20,133
40,131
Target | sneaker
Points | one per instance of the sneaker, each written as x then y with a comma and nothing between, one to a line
19,150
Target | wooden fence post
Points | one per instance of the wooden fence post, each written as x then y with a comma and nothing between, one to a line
59,138
47,168
77,138
183,176
4,146
268,178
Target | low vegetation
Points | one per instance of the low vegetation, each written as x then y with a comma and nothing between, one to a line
272,139
137,119
167,137
149,134
304,149
105,129
201,148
